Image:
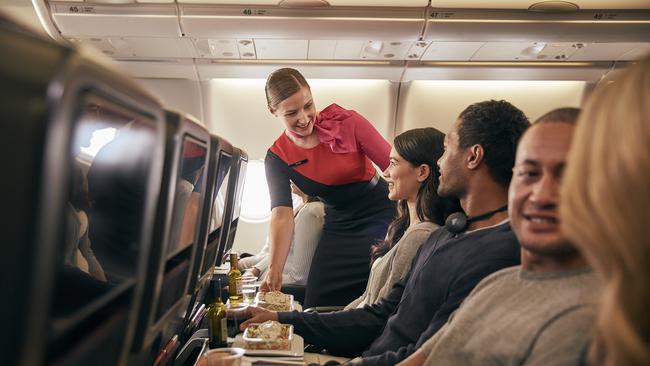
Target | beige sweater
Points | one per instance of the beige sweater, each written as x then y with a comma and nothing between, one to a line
517,317
394,265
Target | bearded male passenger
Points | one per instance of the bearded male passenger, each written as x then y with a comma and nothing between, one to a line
539,313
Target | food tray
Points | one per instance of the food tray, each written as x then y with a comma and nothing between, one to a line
254,342
287,305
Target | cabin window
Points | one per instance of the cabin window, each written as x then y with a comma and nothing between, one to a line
98,139
256,202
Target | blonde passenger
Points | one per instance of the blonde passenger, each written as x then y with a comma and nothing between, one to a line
607,198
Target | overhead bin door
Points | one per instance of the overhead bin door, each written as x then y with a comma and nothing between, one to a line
135,20
523,4
313,3
525,26
239,21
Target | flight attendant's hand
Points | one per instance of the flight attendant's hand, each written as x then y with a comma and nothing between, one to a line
272,282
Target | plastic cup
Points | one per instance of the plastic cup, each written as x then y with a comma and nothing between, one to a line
235,315
222,357
248,293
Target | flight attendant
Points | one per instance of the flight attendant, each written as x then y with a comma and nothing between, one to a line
328,154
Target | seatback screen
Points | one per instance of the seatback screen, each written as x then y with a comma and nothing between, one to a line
218,210
111,150
190,188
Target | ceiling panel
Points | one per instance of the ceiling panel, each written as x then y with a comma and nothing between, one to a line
348,50
168,69
148,47
637,53
380,70
216,48
506,51
451,51
408,3
556,50
274,49
247,49
505,72
385,50
417,49
525,4
610,51
321,49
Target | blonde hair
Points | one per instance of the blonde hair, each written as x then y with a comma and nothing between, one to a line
604,211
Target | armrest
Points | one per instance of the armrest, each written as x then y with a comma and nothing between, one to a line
324,309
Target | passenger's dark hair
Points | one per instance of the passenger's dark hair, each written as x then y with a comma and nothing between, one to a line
418,146
282,84
562,115
497,126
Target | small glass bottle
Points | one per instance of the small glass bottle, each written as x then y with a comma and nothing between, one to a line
218,328
234,280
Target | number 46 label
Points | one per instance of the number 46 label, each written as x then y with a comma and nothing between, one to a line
258,12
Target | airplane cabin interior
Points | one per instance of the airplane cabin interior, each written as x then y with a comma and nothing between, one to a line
143,125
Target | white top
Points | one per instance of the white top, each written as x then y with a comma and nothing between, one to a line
308,227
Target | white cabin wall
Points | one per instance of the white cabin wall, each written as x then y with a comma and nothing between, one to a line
177,94
236,110
437,103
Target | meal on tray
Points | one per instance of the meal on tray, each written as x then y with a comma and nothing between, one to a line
275,300
269,335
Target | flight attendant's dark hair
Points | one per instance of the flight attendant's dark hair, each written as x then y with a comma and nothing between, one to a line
283,83
419,146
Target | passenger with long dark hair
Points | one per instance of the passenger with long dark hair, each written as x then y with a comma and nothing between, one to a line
413,178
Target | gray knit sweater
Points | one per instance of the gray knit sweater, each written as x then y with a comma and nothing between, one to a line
394,265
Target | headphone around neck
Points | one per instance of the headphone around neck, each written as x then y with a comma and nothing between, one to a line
458,222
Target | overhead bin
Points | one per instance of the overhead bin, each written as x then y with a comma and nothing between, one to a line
78,19
528,4
473,25
248,21
313,3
